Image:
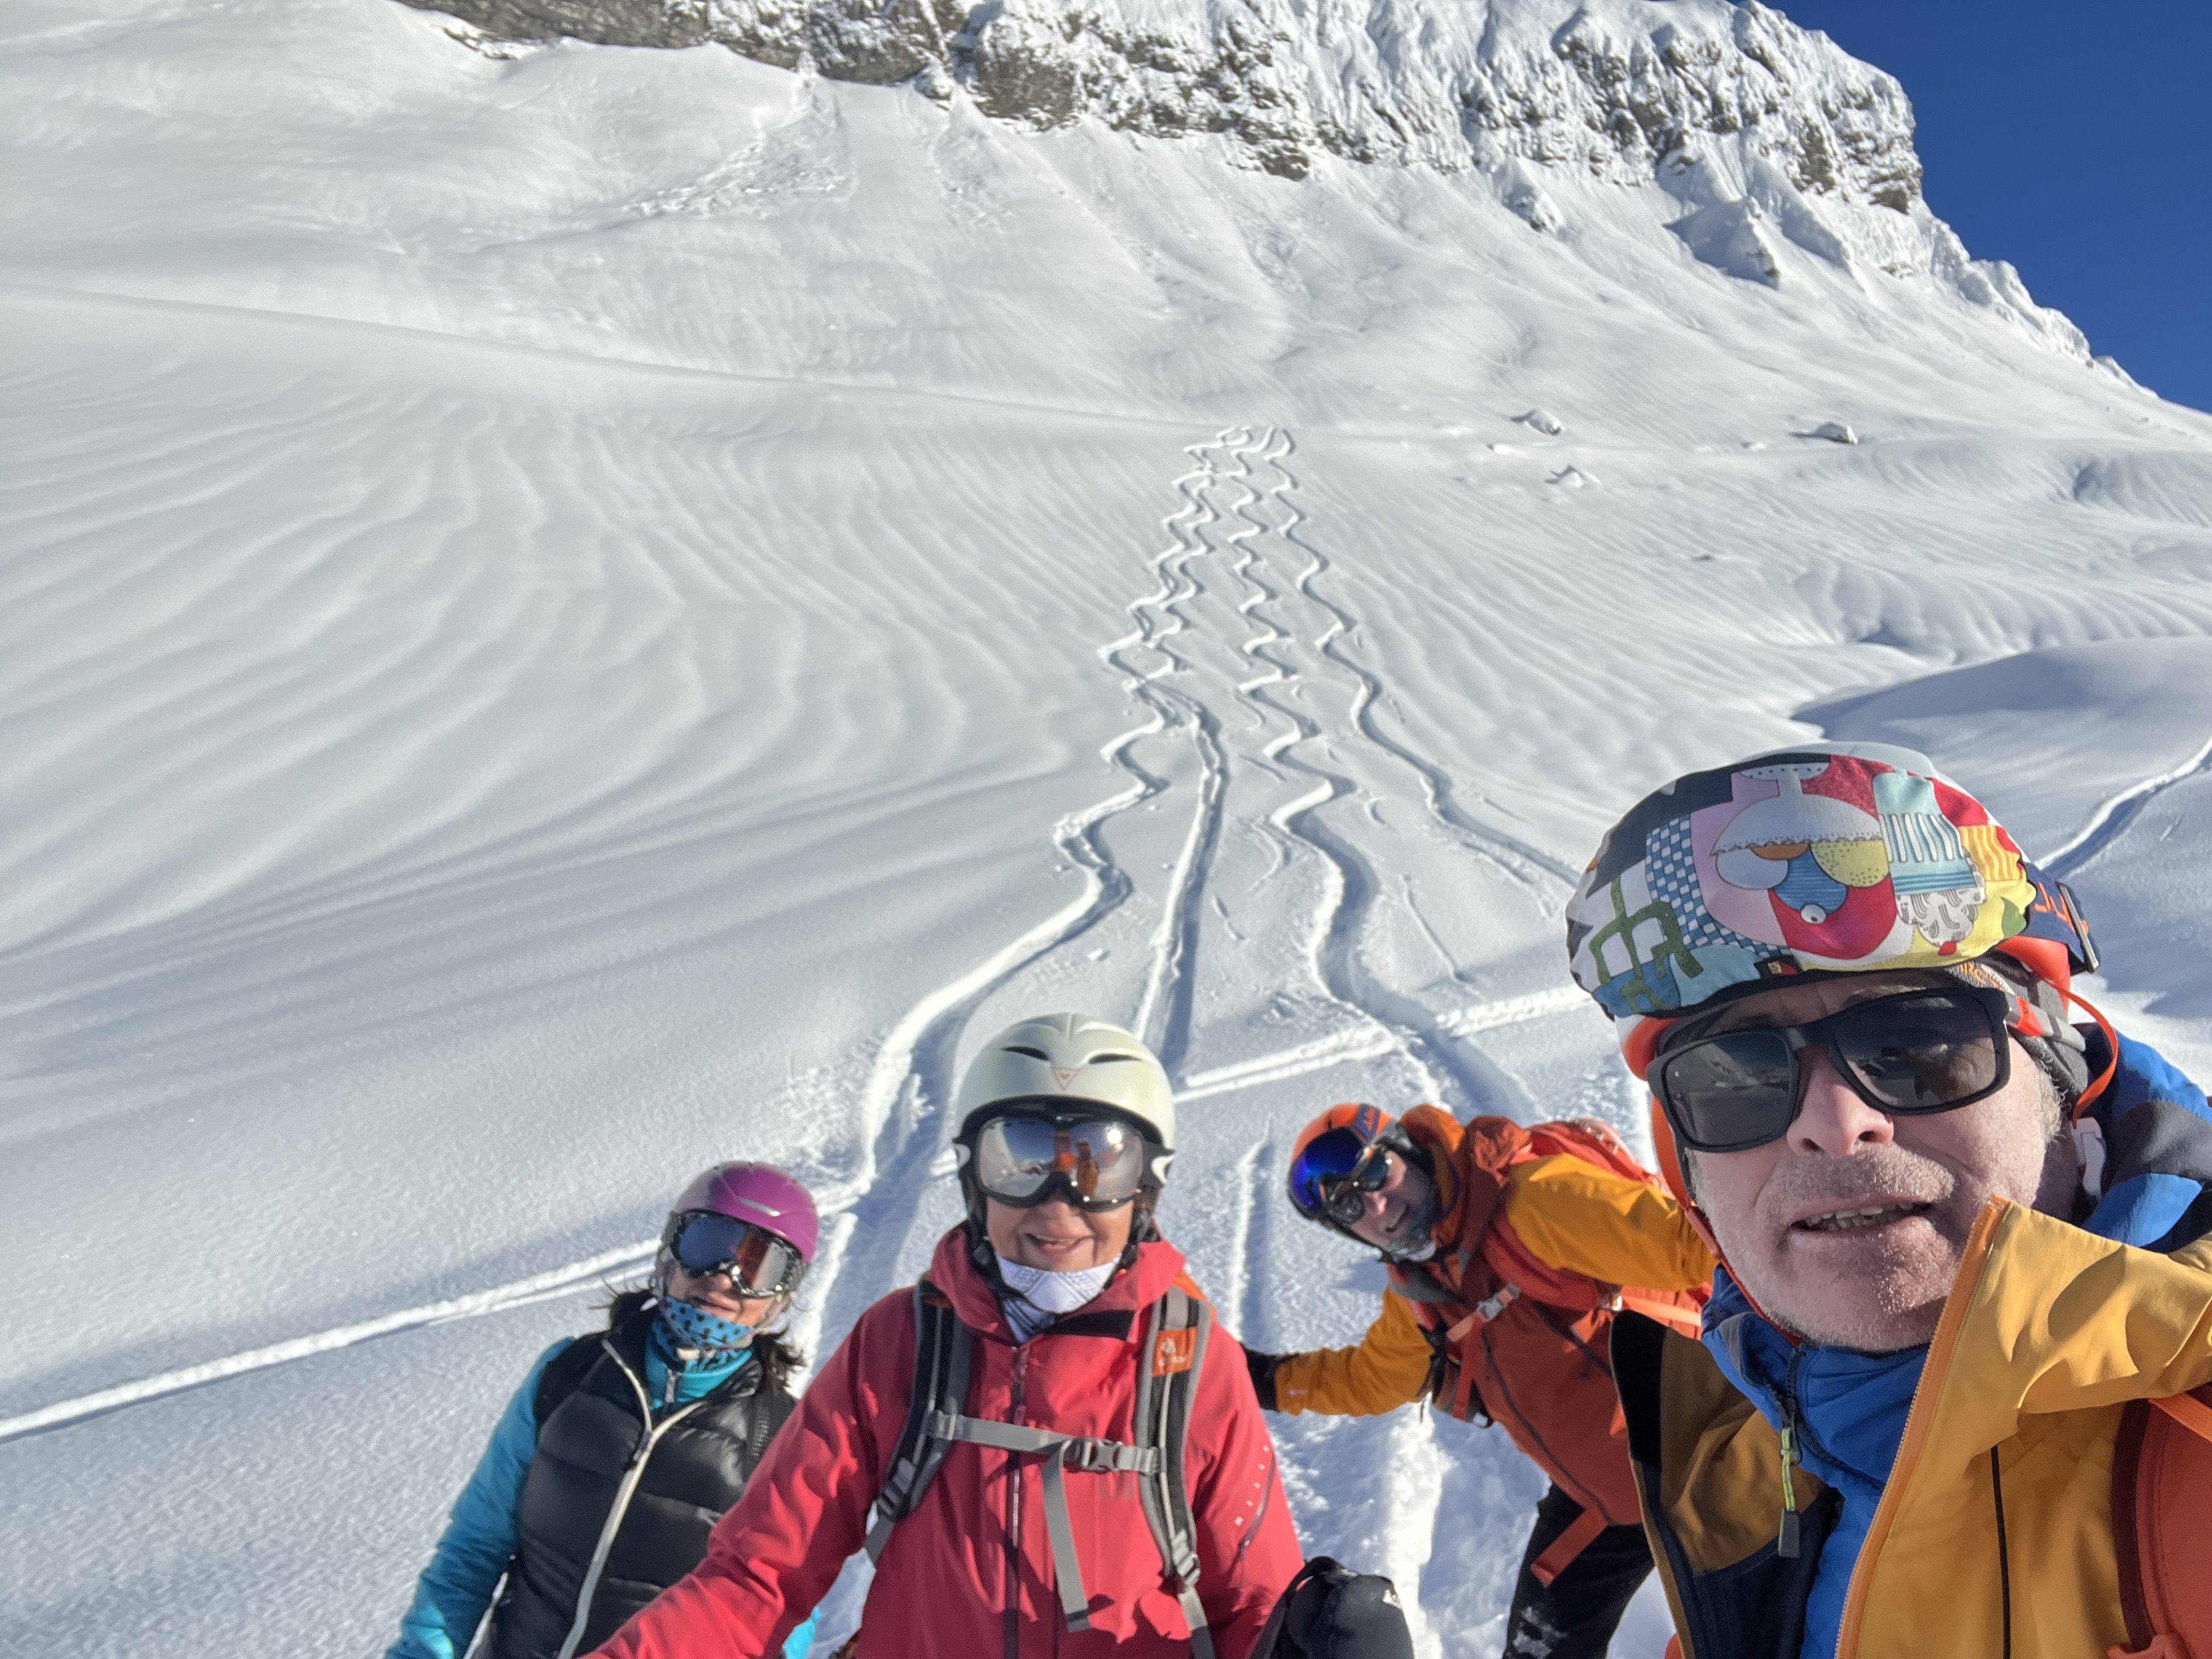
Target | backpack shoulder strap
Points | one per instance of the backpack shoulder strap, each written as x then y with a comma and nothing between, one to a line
943,1347
1594,1142
1170,1362
563,1375
2161,1508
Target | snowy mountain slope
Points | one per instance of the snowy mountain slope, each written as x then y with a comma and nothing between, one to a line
570,615
1752,128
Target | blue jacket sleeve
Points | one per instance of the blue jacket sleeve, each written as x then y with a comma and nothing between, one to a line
456,1588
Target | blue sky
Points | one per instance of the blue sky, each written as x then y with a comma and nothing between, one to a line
2074,140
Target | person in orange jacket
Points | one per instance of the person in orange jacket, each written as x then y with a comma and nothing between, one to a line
1508,1251
1954,1389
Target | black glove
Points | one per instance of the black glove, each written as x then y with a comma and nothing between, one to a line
1262,1367
1330,1609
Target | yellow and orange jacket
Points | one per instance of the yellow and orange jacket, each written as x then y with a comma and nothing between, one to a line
1509,1317
1995,1532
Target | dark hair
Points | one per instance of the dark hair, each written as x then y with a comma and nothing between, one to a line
779,1357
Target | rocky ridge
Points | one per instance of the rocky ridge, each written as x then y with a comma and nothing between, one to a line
1753,128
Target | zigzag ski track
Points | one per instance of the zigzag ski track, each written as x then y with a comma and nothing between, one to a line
1274,704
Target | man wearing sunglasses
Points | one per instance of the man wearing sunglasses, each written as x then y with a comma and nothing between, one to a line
1020,1475
1509,1250
1965,1273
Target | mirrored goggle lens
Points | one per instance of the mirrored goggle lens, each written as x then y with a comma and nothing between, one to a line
1099,1163
1912,1054
755,1260
1327,1158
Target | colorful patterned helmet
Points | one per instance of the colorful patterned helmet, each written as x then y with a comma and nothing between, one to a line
1834,857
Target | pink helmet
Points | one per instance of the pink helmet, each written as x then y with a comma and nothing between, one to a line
758,1193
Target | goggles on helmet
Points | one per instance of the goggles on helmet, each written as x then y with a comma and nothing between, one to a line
755,1260
1919,1051
1333,1175
1094,1163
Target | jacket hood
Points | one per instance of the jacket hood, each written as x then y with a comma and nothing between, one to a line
1441,1135
1139,1284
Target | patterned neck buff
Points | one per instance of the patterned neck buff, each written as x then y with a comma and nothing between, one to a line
1040,1296
695,1332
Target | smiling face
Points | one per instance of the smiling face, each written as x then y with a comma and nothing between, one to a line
1394,1208
1849,1230
1056,1237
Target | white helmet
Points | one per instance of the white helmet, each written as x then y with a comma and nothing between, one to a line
1073,1058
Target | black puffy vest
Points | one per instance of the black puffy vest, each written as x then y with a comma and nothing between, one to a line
593,1445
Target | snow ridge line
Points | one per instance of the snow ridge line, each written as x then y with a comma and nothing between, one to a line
2110,820
1512,1010
500,1299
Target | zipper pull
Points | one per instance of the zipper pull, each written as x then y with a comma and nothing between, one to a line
1786,1546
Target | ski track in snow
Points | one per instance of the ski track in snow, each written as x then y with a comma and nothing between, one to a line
1468,1080
1238,525
539,1287
2110,820
1163,1016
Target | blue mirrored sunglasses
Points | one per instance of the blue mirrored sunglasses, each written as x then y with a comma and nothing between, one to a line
1334,1175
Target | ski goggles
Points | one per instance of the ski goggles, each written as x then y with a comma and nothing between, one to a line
755,1260
1096,1162
1334,1175
1919,1051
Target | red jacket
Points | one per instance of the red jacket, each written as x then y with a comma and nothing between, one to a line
943,1585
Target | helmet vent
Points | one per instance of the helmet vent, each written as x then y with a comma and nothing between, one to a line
1108,1060
1031,1053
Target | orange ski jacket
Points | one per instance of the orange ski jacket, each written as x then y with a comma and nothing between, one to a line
1994,1530
1511,1316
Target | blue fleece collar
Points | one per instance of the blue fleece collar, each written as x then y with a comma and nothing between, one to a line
1848,1410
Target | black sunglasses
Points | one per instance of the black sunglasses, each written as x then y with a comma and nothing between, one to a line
1917,1052
1344,1198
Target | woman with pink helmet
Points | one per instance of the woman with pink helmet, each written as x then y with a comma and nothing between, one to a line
622,1448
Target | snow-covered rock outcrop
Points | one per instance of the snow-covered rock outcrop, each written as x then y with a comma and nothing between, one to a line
1755,128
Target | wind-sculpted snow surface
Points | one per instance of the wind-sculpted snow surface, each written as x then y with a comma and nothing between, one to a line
570,614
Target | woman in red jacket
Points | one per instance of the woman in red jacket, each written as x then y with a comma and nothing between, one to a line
1067,1126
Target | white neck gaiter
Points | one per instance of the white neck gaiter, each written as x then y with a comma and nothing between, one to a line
1040,1296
